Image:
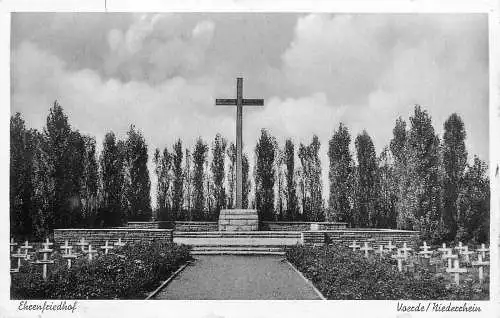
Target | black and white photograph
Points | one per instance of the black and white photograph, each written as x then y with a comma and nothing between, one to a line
251,155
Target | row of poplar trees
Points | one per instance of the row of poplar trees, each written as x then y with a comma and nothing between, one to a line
58,181
417,182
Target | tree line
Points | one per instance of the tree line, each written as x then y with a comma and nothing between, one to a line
417,182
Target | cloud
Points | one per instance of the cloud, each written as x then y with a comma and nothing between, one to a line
150,50
378,67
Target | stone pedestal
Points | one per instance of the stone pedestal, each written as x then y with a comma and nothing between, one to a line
238,220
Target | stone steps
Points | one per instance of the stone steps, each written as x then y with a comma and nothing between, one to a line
237,250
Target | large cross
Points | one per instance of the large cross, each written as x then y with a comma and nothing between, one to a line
239,102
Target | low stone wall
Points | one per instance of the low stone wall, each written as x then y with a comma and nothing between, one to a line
238,220
143,225
302,226
98,237
374,237
194,226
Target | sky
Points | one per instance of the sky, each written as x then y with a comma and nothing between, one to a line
162,73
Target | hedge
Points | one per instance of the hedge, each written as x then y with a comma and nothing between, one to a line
339,273
128,273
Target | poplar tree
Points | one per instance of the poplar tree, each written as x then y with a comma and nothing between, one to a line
163,165
473,217
199,159
178,180
112,178
455,162
217,168
291,196
246,181
340,175
265,176
366,216
423,150
140,184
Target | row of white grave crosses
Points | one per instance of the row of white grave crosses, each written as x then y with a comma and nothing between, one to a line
67,252
426,253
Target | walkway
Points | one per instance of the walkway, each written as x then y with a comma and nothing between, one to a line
238,277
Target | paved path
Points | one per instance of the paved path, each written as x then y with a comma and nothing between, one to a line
238,277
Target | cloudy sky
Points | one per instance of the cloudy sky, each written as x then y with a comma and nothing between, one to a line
162,73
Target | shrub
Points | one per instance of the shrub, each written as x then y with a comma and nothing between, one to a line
128,273
340,273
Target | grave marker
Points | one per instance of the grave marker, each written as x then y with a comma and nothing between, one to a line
465,253
399,257
26,247
82,244
106,247
66,247
69,255
480,263
405,250
91,252
45,260
460,247
483,250
450,256
12,245
456,270
390,247
366,249
354,246
119,243
18,256
380,251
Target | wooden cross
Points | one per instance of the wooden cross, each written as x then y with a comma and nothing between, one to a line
465,253
366,249
399,257
443,249
66,247
106,247
47,243
457,270
390,247
480,263
380,251
483,250
69,255
19,256
12,245
405,250
119,243
26,247
82,244
450,256
426,251
45,260
91,252
239,102
354,246
459,247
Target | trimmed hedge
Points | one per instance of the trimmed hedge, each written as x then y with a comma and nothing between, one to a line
340,273
128,273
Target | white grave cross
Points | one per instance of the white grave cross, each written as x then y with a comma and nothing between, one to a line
399,257
405,250
119,243
483,250
457,270
354,246
91,252
66,247
69,255
366,249
45,260
106,247
12,245
426,252
480,263
450,256
82,244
